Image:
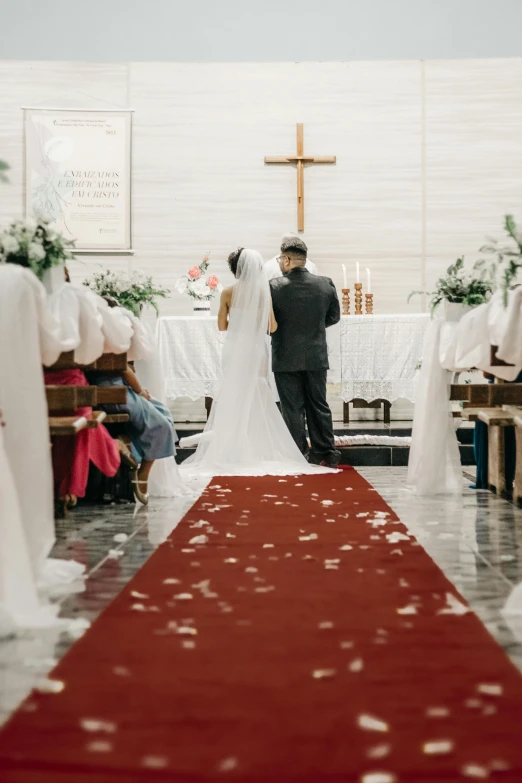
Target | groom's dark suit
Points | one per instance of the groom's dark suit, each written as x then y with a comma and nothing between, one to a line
304,305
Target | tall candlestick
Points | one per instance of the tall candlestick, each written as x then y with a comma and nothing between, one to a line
357,273
358,299
345,279
369,287
346,301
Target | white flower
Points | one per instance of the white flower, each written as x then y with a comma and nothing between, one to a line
118,286
36,252
10,244
182,285
200,287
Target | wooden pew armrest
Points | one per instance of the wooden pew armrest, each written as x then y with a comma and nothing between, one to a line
496,417
66,425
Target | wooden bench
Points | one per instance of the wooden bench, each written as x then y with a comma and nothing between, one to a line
487,395
492,404
108,363
516,412
70,398
66,425
497,420
63,404
64,399
72,425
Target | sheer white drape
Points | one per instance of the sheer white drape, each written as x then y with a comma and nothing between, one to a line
29,336
434,462
460,339
245,433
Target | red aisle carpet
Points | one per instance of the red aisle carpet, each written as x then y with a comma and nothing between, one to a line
303,642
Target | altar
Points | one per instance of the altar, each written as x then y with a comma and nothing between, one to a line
374,357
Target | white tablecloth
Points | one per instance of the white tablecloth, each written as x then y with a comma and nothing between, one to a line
190,352
380,355
371,357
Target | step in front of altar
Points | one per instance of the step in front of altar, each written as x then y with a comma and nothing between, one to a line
364,455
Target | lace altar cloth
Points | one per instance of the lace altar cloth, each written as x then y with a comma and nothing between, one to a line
371,357
380,355
190,350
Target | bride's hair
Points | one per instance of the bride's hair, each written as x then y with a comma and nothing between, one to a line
233,260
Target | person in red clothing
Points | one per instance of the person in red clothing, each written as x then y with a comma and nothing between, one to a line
73,454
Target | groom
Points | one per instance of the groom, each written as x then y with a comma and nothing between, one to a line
304,305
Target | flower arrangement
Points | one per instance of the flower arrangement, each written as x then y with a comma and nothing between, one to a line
504,258
34,244
131,291
458,286
196,285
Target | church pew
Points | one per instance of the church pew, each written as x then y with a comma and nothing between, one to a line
517,484
71,425
488,395
66,425
484,402
108,363
70,398
497,421
516,412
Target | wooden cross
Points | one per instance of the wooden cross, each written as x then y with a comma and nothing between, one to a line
300,159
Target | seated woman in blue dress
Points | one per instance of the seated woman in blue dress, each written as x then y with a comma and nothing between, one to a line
151,427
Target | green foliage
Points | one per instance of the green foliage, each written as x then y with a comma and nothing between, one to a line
131,292
458,286
503,260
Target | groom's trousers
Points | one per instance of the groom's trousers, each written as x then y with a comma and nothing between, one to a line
303,402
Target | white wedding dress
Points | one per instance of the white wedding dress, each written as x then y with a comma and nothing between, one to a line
245,434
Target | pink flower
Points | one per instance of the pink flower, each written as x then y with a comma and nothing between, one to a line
194,273
212,282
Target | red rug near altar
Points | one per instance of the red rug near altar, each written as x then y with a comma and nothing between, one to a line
289,630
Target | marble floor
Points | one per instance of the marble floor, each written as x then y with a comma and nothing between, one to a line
476,539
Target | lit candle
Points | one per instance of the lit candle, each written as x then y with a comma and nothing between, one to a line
345,282
357,275
368,275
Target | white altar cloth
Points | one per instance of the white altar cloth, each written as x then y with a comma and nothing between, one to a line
380,355
371,357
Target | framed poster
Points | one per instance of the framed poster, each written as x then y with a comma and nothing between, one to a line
78,175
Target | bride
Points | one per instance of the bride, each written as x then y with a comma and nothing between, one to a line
245,433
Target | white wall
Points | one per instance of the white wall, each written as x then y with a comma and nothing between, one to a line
255,31
429,159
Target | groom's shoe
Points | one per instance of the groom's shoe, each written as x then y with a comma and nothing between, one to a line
330,460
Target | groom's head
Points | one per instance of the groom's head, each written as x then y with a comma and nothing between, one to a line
293,253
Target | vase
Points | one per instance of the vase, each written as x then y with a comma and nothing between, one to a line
201,308
54,278
453,311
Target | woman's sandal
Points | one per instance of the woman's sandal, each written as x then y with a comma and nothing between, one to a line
141,497
64,504
126,454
